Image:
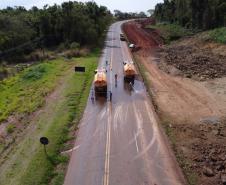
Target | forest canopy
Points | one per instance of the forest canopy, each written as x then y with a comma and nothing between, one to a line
198,14
21,30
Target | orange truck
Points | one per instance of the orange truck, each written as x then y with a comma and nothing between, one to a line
100,81
129,70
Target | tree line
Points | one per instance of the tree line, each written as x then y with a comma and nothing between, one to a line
21,30
198,14
119,15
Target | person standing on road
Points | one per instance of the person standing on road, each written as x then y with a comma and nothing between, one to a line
92,96
110,96
116,78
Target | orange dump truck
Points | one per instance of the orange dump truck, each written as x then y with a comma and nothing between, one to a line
129,70
100,81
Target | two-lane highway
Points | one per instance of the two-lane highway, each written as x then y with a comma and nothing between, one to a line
120,142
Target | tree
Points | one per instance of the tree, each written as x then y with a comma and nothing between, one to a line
70,22
201,14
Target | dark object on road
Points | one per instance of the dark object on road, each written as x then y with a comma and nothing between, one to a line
116,78
122,37
92,99
80,69
110,96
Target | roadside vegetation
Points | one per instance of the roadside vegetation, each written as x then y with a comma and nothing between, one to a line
196,14
170,32
217,35
27,163
26,92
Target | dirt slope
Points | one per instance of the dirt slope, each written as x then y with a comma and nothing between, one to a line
189,88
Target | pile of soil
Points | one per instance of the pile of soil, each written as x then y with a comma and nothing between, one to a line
193,62
204,146
188,56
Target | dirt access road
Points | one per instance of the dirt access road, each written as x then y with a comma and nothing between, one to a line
120,142
191,102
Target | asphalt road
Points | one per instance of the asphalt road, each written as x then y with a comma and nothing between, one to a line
120,142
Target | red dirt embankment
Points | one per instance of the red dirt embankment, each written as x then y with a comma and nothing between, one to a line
136,34
189,89
180,98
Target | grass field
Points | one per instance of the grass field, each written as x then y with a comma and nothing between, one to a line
27,163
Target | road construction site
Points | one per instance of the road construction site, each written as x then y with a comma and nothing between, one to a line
119,139
188,88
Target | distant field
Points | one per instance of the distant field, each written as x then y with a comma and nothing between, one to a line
26,92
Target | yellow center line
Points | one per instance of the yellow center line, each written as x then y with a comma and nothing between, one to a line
108,148
108,141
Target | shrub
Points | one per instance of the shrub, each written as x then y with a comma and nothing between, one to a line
218,35
171,32
74,45
10,128
71,53
35,73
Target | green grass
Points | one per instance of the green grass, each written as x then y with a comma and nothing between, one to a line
26,91
29,164
218,35
10,128
170,32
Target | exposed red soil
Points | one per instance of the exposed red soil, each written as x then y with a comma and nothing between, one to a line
137,35
192,111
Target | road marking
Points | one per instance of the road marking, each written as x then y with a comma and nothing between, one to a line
107,151
108,142
135,136
71,150
111,59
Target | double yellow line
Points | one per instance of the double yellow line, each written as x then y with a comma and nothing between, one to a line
108,149
108,142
